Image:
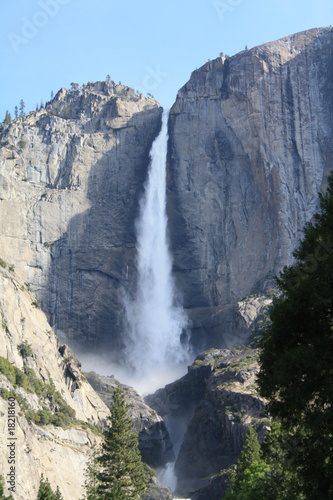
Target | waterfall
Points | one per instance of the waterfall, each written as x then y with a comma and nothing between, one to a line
156,321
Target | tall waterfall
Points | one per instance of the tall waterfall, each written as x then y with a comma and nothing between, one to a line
155,320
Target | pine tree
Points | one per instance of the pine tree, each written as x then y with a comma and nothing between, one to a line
22,107
8,118
44,492
16,112
122,473
91,472
58,495
296,358
249,470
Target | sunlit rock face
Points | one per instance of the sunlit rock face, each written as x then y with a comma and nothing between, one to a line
250,148
59,451
71,176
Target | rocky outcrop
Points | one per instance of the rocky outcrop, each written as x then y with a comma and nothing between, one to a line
71,175
250,148
214,403
46,384
154,441
155,491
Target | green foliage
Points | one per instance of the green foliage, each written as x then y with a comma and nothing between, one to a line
59,414
297,354
265,473
56,411
5,394
22,107
58,495
36,304
120,473
8,118
74,86
45,491
25,349
249,470
3,263
7,369
22,144
90,473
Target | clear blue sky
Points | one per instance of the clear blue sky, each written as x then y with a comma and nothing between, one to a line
149,45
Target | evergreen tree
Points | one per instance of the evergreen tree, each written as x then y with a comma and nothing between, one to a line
22,107
52,94
16,112
58,495
296,359
108,78
249,470
8,118
265,473
122,473
282,479
91,472
44,492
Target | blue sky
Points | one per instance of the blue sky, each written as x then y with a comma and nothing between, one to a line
151,46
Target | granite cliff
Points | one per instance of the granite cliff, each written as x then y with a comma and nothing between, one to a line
250,148
71,175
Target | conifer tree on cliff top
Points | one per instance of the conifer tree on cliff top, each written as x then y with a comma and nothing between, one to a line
297,353
122,473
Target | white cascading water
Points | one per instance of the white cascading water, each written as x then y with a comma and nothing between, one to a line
155,320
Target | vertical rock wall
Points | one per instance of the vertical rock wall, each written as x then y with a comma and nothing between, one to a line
250,148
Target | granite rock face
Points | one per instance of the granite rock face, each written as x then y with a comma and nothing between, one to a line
213,404
60,452
71,175
250,148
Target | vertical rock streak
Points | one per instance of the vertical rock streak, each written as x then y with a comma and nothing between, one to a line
154,318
